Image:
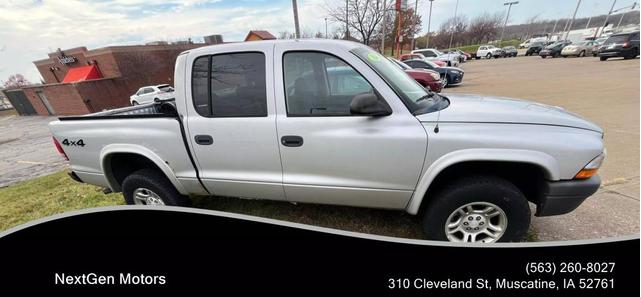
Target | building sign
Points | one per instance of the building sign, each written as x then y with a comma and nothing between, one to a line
64,59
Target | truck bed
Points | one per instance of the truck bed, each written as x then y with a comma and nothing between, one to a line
161,109
149,130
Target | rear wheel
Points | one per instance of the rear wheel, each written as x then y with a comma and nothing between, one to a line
603,58
582,54
543,57
477,209
150,187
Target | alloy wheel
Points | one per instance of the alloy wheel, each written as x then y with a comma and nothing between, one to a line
476,222
144,196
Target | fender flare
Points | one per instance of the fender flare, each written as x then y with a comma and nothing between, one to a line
143,152
543,160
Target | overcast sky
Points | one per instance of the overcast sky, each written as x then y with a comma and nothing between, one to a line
31,29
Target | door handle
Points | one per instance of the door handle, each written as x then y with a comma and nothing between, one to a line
291,140
204,139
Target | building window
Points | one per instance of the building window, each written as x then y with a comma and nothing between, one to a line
230,85
318,84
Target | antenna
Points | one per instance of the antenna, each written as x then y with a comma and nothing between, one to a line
438,118
449,55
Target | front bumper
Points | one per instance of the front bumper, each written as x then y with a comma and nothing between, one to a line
561,197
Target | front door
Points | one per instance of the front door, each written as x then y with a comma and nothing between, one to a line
232,122
331,156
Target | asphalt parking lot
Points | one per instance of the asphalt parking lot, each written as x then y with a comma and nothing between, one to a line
26,150
606,93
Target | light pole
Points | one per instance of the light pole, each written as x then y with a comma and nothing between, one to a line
296,19
572,21
606,19
326,35
623,14
429,22
384,25
509,7
346,19
415,13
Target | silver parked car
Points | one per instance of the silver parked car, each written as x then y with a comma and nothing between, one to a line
579,49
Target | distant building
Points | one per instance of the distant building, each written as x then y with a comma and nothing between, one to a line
79,81
259,35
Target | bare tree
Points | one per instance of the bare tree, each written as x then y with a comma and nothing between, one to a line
364,16
411,25
454,28
16,81
485,27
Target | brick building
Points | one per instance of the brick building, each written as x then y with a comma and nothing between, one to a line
79,81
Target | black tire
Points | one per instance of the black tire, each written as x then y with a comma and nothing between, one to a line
477,57
582,54
603,58
446,81
488,56
134,103
156,100
155,181
543,57
489,189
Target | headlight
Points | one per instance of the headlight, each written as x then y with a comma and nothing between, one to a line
592,167
435,76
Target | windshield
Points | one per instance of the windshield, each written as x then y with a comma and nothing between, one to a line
432,64
616,39
166,88
417,99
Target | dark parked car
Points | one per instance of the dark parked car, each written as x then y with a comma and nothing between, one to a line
449,75
554,50
624,45
535,48
509,51
427,78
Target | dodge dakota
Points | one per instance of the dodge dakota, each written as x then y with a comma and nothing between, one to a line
335,122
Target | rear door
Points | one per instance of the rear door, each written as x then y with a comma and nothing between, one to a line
328,154
232,121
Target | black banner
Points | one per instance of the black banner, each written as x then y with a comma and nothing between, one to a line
169,251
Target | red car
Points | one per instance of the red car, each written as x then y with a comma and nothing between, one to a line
427,78
404,57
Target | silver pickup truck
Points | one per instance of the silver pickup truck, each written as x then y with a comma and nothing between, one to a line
334,122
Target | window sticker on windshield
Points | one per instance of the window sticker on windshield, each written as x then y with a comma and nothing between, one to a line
374,57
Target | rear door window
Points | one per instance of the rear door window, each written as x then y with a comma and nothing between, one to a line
230,85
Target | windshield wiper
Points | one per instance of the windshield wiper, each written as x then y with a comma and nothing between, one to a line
429,95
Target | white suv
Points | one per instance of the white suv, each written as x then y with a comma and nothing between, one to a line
152,94
452,59
488,51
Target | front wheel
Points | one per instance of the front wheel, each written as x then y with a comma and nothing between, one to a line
151,187
603,58
543,57
488,56
481,209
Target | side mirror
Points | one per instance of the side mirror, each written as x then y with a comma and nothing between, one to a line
369,104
